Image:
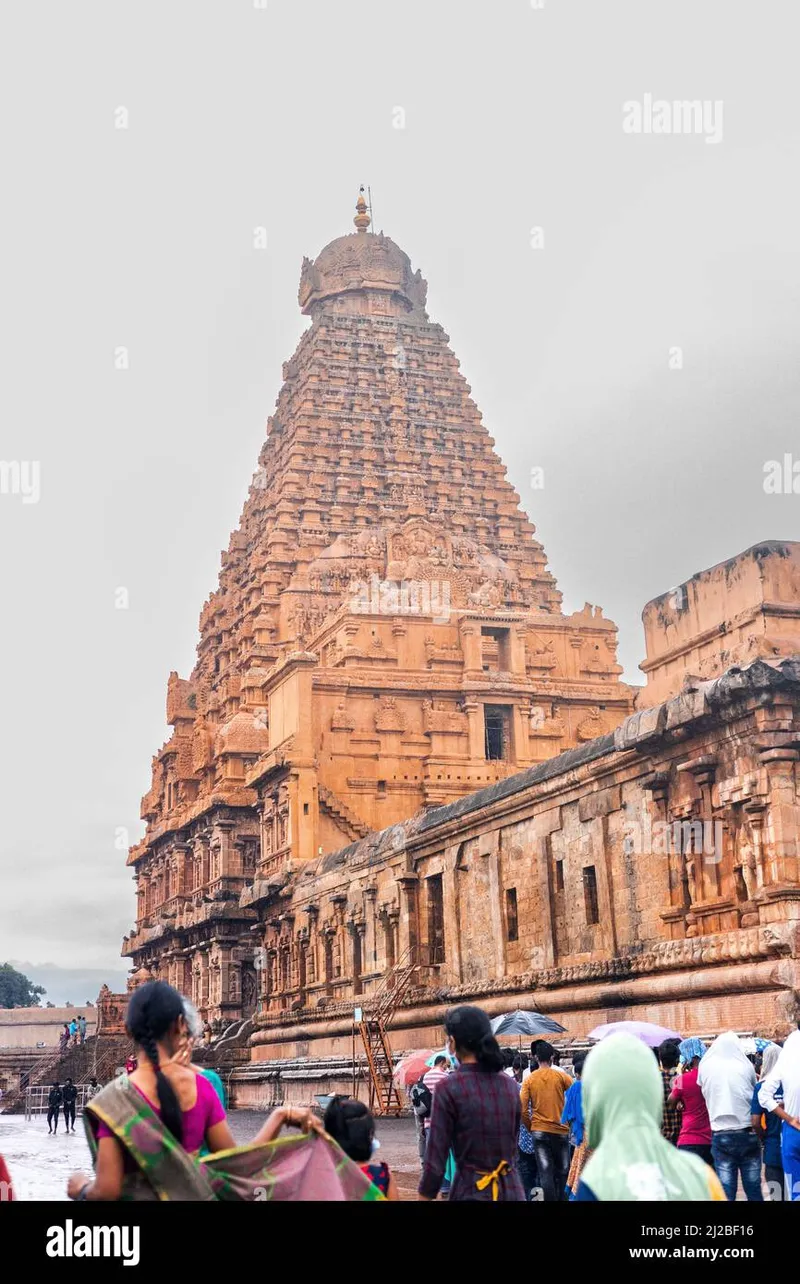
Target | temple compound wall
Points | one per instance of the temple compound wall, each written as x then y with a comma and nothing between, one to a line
651,873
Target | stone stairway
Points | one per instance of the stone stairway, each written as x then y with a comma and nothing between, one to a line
98,1056
339,811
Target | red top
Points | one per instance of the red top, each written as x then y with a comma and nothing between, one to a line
695,1123
6,1191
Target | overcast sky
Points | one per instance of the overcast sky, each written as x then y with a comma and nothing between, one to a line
241,117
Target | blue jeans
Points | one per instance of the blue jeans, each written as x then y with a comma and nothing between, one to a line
734,1153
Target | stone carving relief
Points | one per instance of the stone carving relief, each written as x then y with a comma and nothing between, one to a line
388,716
442,718
592,725
544,724
341,720
540,654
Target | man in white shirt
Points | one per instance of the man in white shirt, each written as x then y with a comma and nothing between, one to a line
786,1073
727,1079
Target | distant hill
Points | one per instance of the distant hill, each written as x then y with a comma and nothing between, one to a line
71,985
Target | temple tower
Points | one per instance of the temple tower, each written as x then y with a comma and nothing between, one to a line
385,635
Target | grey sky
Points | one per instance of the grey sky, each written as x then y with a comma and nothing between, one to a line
144,238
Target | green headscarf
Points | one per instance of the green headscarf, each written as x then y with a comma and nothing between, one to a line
623,1101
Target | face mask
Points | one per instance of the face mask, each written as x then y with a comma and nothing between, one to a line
376,1145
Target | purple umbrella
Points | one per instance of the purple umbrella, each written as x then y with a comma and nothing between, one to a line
650,1034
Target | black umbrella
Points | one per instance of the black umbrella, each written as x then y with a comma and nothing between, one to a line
528,1023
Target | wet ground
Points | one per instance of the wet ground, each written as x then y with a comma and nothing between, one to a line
40,1164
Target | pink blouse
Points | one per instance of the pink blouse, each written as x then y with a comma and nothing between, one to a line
695,1125
206,1111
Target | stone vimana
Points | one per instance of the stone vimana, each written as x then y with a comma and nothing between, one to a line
396,757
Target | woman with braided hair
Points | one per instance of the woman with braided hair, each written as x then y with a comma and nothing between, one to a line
146,1129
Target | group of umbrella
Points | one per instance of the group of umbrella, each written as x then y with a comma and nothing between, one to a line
532,1025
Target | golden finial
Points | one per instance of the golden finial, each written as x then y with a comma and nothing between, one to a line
362,219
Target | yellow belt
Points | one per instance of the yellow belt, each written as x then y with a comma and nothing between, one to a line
493,1177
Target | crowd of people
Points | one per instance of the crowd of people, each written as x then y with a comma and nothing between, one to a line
619,1124
686,1124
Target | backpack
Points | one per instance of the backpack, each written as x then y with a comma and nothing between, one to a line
421,1098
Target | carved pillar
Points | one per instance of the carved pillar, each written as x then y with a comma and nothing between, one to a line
755,812
705,855
470,632
409,924
370,959
603,864
328,936
782,818
516,647
201,846
312,956
357,954
204,980
475,729
339,904
520,743
453,873
490,852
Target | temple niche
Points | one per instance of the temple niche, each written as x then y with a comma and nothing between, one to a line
395,745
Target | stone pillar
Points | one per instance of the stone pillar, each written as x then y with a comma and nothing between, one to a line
452,912
543,879
520,743
204,995
601,853
516,647
782,818
706,864
476,731
370,959
490,852
202,854
409,921
313,962
340,944
470,632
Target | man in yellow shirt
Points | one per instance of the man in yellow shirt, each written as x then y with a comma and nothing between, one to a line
542,1099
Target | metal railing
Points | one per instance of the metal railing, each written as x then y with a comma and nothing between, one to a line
36,1100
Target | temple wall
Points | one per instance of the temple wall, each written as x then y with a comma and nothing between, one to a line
652,873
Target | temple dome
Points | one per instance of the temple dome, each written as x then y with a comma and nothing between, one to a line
360,264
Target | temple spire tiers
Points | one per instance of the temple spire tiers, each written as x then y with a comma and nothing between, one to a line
385,636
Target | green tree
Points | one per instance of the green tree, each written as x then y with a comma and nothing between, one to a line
16,991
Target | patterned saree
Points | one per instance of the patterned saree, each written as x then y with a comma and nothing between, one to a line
295,1167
